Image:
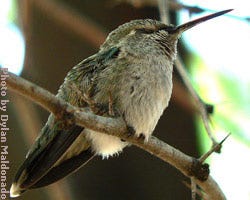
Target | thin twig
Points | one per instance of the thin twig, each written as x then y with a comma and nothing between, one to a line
199,103
214,148
193,189
163,10
198,191
112,126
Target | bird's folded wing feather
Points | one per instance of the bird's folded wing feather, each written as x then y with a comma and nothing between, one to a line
47,161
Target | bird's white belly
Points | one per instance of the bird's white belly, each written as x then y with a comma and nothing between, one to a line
103,144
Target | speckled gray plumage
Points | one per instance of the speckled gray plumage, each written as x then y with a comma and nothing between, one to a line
134,67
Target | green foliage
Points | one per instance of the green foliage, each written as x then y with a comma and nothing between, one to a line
229,96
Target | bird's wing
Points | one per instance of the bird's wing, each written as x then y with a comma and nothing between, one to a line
40,161
57,151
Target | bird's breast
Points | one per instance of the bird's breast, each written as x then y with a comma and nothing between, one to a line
144,94
140,92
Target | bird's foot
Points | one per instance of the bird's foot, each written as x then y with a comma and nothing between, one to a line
130,132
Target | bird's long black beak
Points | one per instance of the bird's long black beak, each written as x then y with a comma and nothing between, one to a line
180,29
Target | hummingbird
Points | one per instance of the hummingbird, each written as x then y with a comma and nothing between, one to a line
130,75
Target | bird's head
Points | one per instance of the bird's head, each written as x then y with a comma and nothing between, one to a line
147,36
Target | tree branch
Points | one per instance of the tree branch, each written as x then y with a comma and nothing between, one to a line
201,106
111,126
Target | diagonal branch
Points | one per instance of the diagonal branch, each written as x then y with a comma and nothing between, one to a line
111,126
201,106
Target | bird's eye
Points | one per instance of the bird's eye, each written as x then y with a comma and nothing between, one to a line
169,29
145,31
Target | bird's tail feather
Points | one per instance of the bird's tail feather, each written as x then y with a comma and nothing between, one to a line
39,167
65,168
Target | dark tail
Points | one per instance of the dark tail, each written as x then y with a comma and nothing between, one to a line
41,167
65,168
